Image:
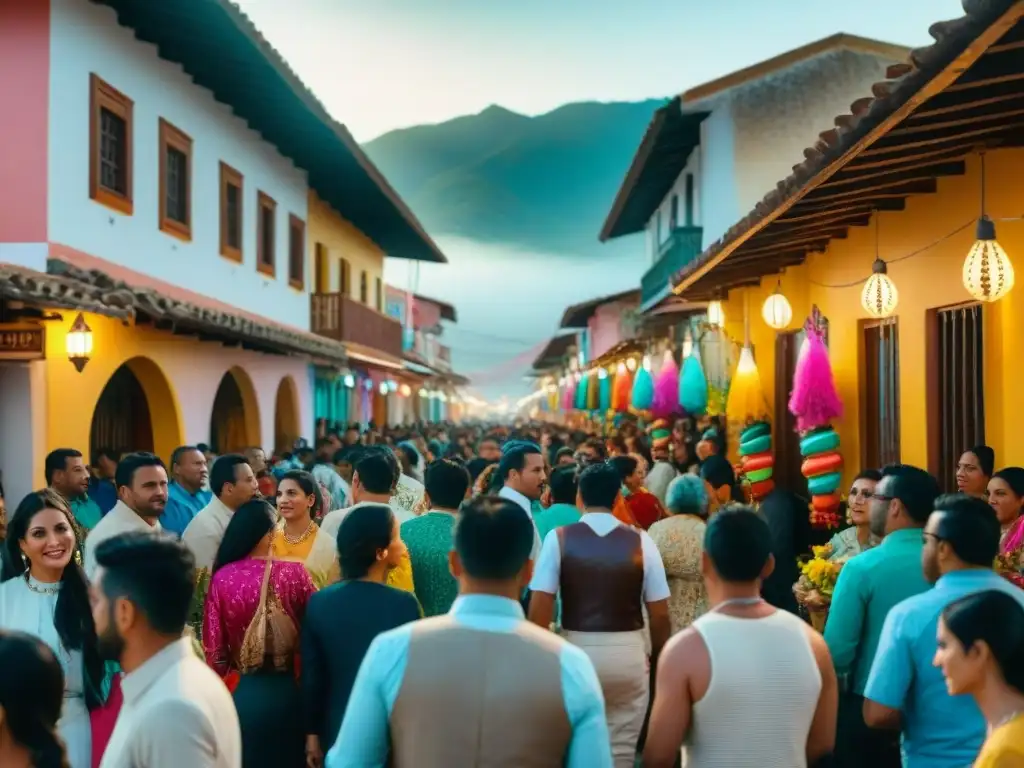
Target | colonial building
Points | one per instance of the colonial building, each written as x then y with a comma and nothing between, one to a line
875,226
709,152
165,179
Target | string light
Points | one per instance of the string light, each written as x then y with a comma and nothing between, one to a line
647,363
631,364
988,271
777,312
879,297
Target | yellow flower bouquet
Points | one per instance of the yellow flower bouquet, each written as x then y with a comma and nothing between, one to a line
817,582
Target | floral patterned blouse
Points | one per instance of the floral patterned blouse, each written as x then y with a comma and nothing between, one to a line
845,544
234,597
680,540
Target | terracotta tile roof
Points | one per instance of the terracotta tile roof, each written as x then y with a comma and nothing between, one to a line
959,44
59,292
578,315
68,286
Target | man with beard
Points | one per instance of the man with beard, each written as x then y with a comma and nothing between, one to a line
141,481
67,474
176,711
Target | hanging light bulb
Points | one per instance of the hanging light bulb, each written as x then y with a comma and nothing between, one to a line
602,373
988,271
746,362
631,364
647,363
879,297
716,315
777,312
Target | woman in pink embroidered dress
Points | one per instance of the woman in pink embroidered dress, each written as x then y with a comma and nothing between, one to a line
1006,496
254,611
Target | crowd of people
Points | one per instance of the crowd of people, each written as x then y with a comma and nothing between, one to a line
506,596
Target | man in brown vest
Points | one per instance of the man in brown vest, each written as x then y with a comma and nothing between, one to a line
607,572
479,687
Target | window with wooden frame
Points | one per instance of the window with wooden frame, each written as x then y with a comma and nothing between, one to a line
364,288
230,213
266,232
110,146
880,393
379,290
296,252
955,387
321,269
345,278
175,182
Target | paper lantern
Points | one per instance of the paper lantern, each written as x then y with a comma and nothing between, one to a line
988,271
716,315
777,312
880,296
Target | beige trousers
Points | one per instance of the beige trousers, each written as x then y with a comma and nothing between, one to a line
621,662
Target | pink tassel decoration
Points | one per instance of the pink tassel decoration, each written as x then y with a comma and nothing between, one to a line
569,394
814,400
666,389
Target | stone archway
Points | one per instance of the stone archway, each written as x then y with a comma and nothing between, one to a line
136,411
235,417
287,423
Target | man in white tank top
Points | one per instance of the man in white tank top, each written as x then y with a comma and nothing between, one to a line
746,685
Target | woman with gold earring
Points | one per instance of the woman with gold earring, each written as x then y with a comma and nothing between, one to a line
44,593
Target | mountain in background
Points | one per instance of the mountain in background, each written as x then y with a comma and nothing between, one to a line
544,183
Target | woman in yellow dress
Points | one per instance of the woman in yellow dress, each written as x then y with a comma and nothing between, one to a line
981,653
297,536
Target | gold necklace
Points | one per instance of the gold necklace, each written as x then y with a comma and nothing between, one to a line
293,540
52,589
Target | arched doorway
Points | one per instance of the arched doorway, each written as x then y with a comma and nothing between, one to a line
235,419
136,411
286,415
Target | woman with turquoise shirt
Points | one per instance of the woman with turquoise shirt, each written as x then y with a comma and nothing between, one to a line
858,537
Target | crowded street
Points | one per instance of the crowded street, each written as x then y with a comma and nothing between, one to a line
673,433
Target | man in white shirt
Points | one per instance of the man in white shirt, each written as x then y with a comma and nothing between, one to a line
141,481
176,711
522,474
233,483
607,574
479,684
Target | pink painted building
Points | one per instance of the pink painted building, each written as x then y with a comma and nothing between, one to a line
605,321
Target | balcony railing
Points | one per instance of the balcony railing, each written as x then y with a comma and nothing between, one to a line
681,247
342,318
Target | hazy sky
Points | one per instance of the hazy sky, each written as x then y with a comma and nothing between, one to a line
384,64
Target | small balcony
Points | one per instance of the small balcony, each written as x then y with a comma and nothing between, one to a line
681,247
342,318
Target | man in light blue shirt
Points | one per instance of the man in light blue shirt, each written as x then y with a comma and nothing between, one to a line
480,682
905,689
187,494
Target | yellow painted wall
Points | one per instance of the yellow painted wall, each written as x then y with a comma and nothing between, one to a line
926,281
71,396
343,240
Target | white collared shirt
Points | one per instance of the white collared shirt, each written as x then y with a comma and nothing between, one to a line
332,520
118,520
524,503
176,713
206,531
547,571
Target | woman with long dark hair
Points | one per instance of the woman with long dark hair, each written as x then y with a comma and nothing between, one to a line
31,697
643,505
1006,497
254,609
44,593
981,653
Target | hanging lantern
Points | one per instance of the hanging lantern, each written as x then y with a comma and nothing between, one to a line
78,343
777,312
716,315
880,296
406,390
631,364
988,271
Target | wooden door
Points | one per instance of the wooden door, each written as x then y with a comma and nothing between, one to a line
786,441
